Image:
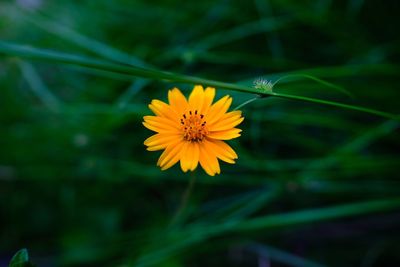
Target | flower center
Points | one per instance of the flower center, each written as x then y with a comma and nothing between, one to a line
193,126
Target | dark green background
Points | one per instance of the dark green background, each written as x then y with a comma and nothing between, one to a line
314,185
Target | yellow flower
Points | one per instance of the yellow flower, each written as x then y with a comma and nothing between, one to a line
191,131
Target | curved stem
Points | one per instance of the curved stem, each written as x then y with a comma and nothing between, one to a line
247,102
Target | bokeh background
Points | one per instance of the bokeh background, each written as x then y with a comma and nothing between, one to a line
314,185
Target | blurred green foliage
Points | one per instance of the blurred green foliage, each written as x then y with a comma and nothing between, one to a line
315,184
20,259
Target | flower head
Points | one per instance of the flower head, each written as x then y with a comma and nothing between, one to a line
192,131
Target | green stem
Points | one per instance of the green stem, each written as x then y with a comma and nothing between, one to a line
184,200
247,102
337,104
9,49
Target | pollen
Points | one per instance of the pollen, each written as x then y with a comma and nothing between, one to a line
194,126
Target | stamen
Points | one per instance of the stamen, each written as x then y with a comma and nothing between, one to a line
193,126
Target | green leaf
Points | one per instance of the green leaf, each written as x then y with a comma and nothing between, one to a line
316,215
20,259
199,233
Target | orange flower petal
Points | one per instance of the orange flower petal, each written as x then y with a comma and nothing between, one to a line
228,121
222,150
162,122
177,101
209,95
159,127
196,98
208,160
162,109
227,116
218,109
225,135
160,141
170,156
190,157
